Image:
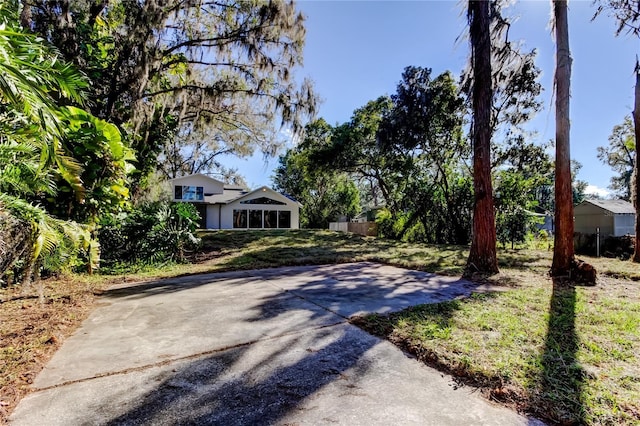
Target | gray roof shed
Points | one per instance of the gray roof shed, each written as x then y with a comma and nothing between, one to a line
610,217
614,206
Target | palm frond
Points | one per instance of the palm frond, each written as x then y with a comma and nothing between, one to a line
51,233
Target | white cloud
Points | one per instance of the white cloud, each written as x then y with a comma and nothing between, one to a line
289,138
595,190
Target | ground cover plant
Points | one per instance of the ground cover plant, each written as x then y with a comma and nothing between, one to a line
582,369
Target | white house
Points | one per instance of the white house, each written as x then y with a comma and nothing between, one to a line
223,206
612,217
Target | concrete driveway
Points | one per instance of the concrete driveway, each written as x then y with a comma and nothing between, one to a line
254,347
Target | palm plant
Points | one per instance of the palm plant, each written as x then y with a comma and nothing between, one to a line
32,81
33,124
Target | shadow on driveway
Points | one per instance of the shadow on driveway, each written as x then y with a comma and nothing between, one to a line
254,347
220,390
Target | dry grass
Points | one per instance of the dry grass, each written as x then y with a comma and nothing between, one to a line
30,331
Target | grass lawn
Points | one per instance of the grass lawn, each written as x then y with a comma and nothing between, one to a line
568,355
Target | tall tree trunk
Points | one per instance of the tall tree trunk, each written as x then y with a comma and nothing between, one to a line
563,251
482,256
635,187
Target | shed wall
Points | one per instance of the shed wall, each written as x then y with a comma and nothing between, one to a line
624,224
588,223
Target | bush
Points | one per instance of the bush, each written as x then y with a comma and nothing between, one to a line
390,226
152,233
619,247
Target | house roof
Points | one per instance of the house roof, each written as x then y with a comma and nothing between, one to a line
265,189
223,198
230,196
234,187
614,206
198,174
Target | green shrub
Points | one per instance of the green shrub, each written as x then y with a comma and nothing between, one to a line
152,233
390,225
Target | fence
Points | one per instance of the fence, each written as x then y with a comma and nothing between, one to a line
361,228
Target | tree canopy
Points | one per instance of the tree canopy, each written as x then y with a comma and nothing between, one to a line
620,155
173,72
324,192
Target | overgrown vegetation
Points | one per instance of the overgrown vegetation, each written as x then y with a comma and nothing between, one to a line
568,356
90,90
153,233
37,123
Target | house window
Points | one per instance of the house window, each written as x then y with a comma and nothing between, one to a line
258,219
239,218
284,219
270,219
255,218
263,200
189,193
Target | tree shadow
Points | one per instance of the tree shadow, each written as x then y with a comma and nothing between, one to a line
435,322
305,247
176,284
562,377
522,259
299,316
218,389
355,289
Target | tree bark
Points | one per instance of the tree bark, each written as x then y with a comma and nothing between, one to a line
482,256
635,187
563,251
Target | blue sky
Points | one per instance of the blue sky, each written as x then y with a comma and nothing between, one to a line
356,50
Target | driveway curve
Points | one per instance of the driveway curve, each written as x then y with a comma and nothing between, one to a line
254,347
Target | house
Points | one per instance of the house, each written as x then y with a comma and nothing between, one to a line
613,217
223,206
544,218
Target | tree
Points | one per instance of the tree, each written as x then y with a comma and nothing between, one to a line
515,89
220,69
194,150
325,194
522,188
514,100
578,187
515,218
620,155
627,16
354,149
407,152
563,251
635,194
423,130
482,255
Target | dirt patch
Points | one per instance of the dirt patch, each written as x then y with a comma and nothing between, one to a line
31,332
